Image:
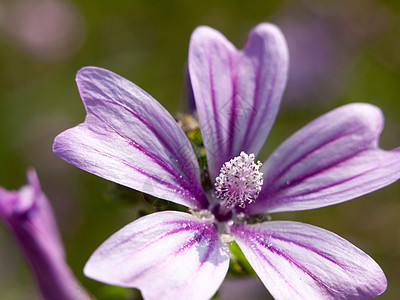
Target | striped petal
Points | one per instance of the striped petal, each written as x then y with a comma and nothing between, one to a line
237,93
167,255
333,159
129,138
300,261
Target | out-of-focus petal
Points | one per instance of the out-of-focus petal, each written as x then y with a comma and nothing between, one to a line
129,138
237,93
30,218
300,261
333,159
167,255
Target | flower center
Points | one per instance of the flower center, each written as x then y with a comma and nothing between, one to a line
239,181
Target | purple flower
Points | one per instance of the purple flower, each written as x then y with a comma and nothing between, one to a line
129,138
28,214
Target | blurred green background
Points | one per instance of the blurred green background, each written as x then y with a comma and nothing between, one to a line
340,51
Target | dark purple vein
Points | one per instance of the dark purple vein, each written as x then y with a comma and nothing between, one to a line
234,105
311,249
256,100
141,171
265,258
323,169
339,135
172,150
198,237
336,183
292,261
184,182
215,111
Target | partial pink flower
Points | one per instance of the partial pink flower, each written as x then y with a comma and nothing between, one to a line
48,30
129,138
30,218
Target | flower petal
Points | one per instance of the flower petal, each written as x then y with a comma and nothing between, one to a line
167,255
300,261
333,159
129,138
28,215
237,93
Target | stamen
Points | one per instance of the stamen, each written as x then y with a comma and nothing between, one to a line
239,182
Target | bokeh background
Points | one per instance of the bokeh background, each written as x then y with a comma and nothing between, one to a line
340,51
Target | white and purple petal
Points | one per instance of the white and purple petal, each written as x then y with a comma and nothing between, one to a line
301,261
167,255
237,93
333,159
129,138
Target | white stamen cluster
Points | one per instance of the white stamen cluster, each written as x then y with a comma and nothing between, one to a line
239,181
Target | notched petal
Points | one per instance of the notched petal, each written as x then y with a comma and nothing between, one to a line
237,93
333,159
167,255
129,138
300,261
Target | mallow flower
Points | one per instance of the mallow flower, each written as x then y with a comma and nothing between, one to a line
28,215
129,138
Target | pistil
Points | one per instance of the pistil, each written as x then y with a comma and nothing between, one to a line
239,182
